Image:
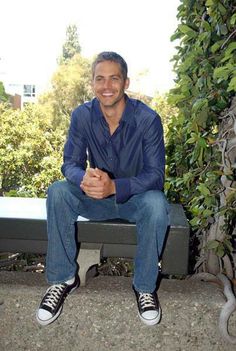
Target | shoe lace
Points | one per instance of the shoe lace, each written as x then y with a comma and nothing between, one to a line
146,300
53,295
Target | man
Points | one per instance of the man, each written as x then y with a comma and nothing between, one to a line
122,141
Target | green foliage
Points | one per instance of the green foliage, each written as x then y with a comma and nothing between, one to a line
220,248
206,82
32,140
3,95
166,111
70,87
71,46
30,151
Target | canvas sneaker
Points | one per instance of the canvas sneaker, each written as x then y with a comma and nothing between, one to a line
51,305
148,307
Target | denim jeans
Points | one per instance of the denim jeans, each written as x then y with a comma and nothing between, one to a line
65,202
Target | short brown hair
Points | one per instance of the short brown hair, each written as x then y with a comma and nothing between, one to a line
111,56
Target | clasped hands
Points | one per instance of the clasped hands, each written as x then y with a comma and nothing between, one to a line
97,184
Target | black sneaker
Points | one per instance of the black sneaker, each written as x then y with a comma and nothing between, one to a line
149,307
51,306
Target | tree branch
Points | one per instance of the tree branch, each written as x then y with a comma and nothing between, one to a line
230,36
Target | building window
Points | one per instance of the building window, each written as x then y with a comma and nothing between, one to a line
29,90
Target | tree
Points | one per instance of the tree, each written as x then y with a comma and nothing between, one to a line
70,87
3,94
166,111
201,139
32,140
71,46
30,151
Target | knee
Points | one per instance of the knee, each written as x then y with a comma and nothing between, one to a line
57,190
154,202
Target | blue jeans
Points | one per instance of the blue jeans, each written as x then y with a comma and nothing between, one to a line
66,202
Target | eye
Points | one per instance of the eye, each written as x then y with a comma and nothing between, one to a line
98,79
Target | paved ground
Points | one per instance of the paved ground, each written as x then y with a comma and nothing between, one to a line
102,316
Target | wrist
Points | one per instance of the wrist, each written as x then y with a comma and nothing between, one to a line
113,187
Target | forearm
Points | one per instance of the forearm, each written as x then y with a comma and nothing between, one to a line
126,187
73,173
75,156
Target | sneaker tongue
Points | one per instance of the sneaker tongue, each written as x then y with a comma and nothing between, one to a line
70,281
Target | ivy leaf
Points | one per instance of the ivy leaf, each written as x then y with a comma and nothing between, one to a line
207,213
200,110
201,118
206,26
233,19
202,143
195,221
209,3
228,245
198,104
187,30
216,46
230,48
167,185
222,29
228,52
203,189
192,139
212,244
232,84
222,9
175,36
220,250
221,73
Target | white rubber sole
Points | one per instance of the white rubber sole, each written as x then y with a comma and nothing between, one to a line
48,321
151,322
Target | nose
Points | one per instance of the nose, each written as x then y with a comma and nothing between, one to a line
107,83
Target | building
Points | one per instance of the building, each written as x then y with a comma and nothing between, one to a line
21,94
24,87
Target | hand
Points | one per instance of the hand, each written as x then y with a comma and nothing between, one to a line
97,184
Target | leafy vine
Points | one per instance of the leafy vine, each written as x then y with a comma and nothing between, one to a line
201,139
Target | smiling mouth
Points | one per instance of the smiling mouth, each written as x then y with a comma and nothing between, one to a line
107,94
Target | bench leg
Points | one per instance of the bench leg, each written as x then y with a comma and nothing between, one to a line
89,255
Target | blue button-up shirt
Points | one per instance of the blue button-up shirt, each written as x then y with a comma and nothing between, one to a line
134,155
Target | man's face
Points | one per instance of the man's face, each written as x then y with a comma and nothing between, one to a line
108,83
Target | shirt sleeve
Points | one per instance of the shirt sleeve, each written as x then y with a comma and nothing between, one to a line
151,177
75,156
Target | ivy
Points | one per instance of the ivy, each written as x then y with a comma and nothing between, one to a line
205,64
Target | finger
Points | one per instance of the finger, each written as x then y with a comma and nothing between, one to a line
93,172
100,173
91,182
90,188
93,194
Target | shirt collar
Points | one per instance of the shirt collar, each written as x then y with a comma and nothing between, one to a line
128,114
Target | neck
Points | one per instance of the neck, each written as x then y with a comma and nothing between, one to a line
113,114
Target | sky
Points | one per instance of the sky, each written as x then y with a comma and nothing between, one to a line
32,33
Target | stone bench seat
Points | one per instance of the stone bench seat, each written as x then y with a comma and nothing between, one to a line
23,229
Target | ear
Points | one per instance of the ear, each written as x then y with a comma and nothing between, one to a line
127,82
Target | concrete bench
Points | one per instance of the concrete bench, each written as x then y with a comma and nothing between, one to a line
23,229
